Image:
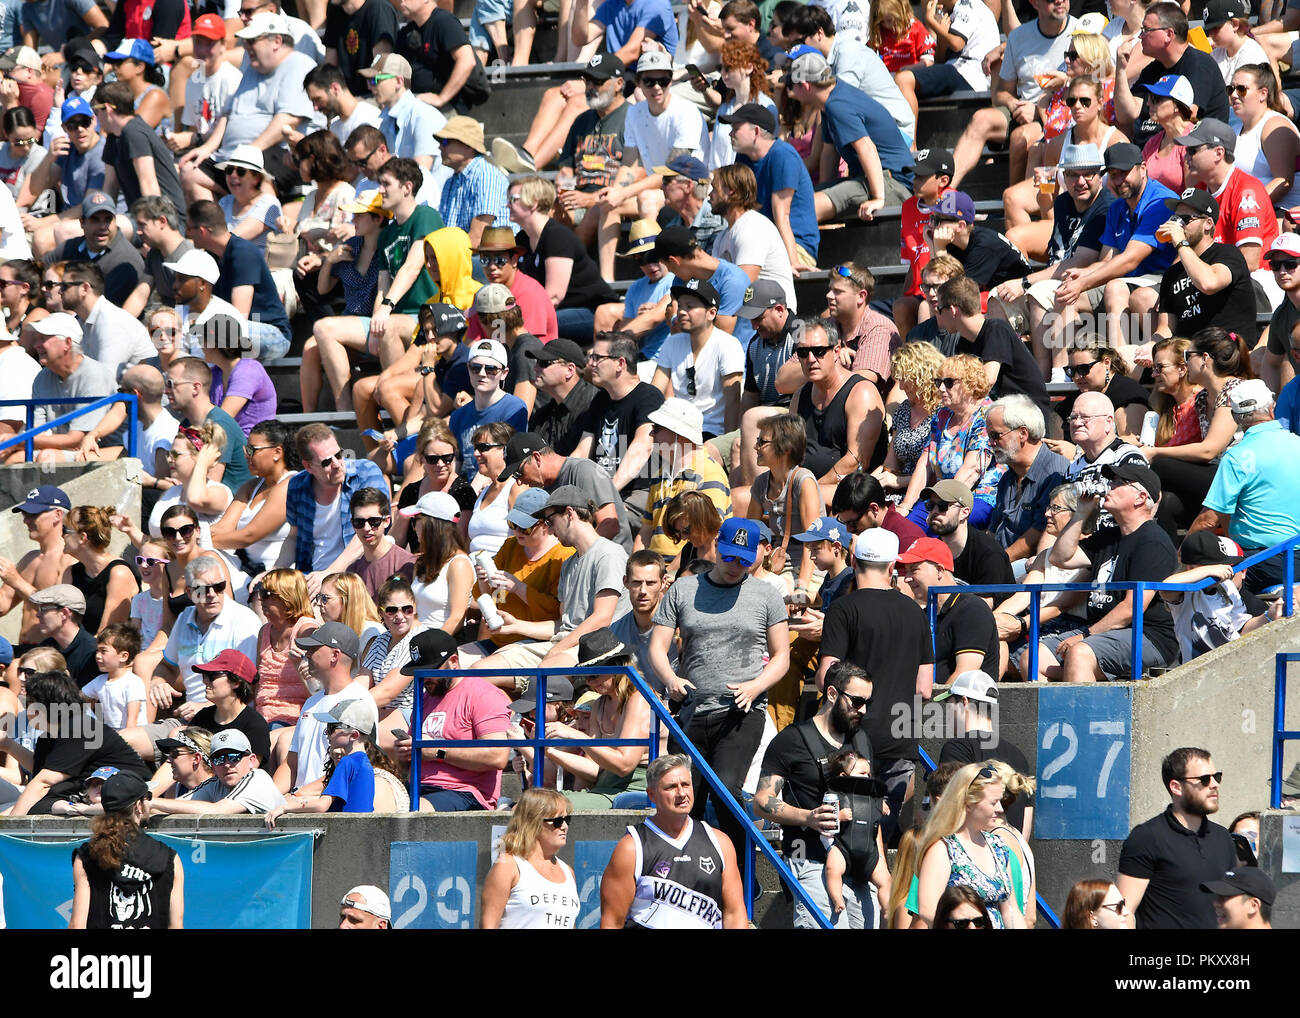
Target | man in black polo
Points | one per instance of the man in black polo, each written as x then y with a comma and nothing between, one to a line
563,394
1165,860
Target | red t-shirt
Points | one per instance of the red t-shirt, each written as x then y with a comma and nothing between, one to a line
539,312
474,709
37,97
903,51
913,248
1245,212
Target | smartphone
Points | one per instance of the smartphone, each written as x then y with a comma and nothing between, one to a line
694,71
401,733
378,436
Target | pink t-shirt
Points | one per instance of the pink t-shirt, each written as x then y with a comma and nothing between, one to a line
539,312
474,709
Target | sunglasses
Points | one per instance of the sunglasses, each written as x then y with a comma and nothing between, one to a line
172,755
646,259
26,672
229,758
1071,54
1078,100
499,260
174,533
979,922
656,81
250,449
487,446
1118,907
144,561
1079,370
327,460
77,124
690,380
556,822
1205,779
382,77
368,522
240,171
334,726
446,458
945,383
210,677
937,507
1239,91
856,702
491,370
399,609
815,352
361,163
204,589
1282,265
523,530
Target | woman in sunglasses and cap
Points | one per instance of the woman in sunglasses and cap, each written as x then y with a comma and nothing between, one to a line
529,886
122,878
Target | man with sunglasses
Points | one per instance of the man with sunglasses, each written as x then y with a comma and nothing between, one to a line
114,337
498,253
488,363
74,166
474,196
1210,282
238,784
792,784
43,512
1166,859
687,192
409,125
564,395
381,557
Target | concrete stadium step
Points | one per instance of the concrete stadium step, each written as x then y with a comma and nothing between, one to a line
875,242
941,121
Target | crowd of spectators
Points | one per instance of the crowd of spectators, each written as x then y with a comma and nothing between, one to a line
729,474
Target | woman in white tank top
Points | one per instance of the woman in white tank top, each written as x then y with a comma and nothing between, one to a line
1269,144
529,886
255,521
444,575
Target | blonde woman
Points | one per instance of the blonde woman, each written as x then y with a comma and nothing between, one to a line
343,598
957,848
1024,881
529,886
194,455
914,367
281,686
106,580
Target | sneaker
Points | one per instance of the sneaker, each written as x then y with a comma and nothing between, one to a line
511,159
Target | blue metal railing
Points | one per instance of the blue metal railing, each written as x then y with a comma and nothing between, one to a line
754,839
32,429
1139,587
1045,910
1280,733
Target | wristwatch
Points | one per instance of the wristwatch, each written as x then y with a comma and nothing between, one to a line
425,369
1183,243
388,302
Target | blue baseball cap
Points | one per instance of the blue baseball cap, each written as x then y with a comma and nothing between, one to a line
803,49
529,503
132,49
953,205
739,538
6,651
97,201
684,166
75,107
826,528
47,496
103,774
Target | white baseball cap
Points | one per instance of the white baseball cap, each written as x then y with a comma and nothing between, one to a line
265,23
368,898
58,324
1250,395
437,504
489,350
876,545
196,263
974,685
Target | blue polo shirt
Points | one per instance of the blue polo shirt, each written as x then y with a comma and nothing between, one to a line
621,19
409,127
1124,224
1021,506
851,114
780,169
1288,406
1256,484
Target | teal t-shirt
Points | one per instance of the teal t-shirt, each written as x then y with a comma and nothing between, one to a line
395,243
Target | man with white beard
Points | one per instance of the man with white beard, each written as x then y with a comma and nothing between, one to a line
1016,428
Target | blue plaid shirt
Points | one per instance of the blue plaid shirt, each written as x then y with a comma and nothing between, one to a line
300,505
477,190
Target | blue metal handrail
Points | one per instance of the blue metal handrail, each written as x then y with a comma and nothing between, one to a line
1036,591
32,429
1280,733
538,676
1044,909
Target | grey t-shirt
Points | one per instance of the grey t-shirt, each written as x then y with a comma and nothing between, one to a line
595,483
630,635
724,634
57,21
260,97
164,280
256,792
585,575
91,379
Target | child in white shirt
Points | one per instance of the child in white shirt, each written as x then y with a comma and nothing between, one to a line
119,692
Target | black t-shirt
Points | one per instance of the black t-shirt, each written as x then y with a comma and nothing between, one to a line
1176,861
974,750
1285,315
248,721
1072,229
80,757
997,342
80,656
983,560
353,36
804,780
964,625
1122,391
521,367
886,633
586,287
561,422
431,49
1232,308
1145,554
139,139
1201,72
928,331
612,424
989,258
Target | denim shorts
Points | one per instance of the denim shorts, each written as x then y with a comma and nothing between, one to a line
485,13
444,800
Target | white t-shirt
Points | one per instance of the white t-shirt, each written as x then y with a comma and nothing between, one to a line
206,98
17,372
13,241
1251,52
159,435
851,17
114,695
1029,52
680,126
327,533
722,355
256,792
754,240
366,114
974,22
308,739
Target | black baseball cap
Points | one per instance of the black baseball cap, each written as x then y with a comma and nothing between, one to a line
1208,132
1216,12
932,162
521,445
558,350
1123,156
603,66
448,320
701,288
429,650
752,113
334,635
1137,473
1202,201
1249,880
678,241
761,295
123,790
1205,548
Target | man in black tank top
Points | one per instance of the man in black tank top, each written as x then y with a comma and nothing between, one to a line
844,419
671,872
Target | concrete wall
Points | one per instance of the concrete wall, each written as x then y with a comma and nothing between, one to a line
112,483
1286,909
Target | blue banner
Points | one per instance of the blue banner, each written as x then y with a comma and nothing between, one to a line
433,884
589,861
1084,756
258,884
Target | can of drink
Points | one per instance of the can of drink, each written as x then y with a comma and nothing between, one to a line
833,801
490,614
485,561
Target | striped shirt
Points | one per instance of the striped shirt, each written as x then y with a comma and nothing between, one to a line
477,190
700,472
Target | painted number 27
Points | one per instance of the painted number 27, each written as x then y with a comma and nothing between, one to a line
1063,730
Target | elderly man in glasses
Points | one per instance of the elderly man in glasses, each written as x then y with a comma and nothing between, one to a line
1096,445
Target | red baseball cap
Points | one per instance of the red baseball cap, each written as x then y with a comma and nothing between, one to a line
928,549
210,26
237,664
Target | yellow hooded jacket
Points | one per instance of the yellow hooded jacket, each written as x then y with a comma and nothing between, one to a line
455,283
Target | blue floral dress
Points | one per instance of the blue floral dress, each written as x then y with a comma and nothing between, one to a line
993,888
946,452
